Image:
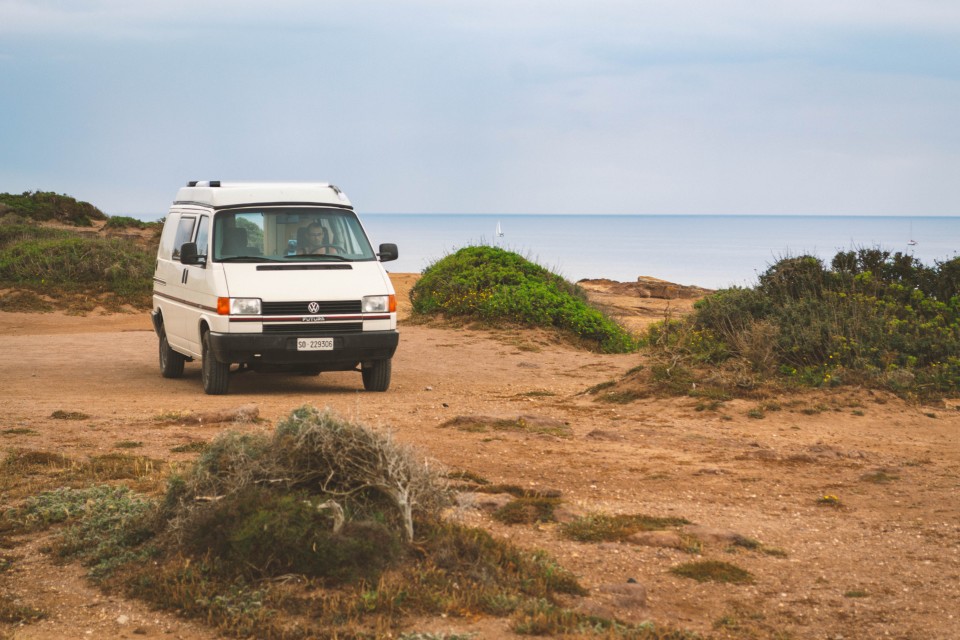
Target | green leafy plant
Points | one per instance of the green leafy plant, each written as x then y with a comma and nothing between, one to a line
829,500
495,285
871,316
125,222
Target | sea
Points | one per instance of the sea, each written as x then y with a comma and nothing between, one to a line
711,251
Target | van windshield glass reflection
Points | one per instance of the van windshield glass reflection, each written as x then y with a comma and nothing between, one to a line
292,234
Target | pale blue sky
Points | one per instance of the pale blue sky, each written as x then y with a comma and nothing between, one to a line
672,106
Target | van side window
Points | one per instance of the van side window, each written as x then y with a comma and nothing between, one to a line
166,240
184,234
203,232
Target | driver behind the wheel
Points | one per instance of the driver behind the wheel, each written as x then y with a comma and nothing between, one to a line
317,241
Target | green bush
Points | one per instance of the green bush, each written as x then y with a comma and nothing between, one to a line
491,284
49,261
260,533
47,206
871,316
124,222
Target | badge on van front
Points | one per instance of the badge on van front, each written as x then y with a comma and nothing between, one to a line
312,319
313,307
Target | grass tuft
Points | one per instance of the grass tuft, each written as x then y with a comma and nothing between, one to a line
607,528
190,447
521,424
713,571
527,510
880,476
60,414
18,431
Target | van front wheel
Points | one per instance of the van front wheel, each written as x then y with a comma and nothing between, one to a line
215,374
376,375
171,362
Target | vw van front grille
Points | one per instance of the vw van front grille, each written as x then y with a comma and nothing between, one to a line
314,328
329,307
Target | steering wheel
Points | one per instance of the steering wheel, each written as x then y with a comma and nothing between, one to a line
324,249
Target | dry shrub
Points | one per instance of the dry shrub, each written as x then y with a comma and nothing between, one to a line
323,497
528,510
757,344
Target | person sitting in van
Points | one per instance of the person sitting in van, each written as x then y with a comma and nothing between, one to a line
317,241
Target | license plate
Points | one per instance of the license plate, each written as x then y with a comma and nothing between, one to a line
314,344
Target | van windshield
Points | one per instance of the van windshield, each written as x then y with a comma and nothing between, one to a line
291,234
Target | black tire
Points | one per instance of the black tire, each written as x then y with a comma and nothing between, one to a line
215,374
376,377
171,362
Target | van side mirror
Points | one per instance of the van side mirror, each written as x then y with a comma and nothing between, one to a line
188,254
388,251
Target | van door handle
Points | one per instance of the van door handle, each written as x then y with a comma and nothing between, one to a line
183,278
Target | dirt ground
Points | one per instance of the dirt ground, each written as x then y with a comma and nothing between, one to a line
882,561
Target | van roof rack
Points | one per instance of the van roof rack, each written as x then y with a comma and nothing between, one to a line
219,194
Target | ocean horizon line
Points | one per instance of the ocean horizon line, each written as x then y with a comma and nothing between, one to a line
153,217
672,215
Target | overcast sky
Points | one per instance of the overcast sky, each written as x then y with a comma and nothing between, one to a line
492,106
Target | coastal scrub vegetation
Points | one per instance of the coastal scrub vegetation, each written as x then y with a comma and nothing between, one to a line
494,285
54,248
47,206
126,222
871,317
62,264
325,528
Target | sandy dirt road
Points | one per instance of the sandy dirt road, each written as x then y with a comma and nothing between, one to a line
885,564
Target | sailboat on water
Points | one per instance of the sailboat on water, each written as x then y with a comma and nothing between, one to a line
499,230
911,242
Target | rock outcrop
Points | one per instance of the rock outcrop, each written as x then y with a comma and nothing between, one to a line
646,287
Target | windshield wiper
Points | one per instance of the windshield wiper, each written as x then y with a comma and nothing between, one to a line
249,259
320,257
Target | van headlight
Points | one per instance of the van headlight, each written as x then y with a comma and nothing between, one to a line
239,306
379,304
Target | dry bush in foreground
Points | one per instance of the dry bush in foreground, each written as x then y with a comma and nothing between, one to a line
340,467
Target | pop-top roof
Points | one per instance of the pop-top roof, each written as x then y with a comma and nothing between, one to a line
218,194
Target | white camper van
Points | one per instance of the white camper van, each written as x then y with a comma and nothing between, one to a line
271,277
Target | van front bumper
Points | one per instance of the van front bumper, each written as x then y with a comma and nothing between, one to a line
349,349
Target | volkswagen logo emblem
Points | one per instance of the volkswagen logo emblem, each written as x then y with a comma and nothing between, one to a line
313,307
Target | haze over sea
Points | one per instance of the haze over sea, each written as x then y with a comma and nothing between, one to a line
712,251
